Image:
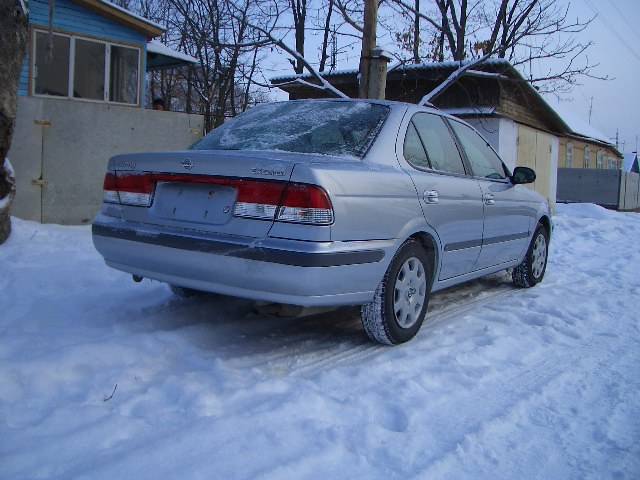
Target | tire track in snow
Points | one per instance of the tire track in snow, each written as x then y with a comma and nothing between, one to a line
475,418
337,357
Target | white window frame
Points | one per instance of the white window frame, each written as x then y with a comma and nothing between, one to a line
72,60
587,156
599,159
568,161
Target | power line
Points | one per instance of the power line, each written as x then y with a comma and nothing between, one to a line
613,30
624,18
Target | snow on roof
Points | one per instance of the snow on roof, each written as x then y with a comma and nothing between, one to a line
452,64
154,46
396,66
578,125
131,14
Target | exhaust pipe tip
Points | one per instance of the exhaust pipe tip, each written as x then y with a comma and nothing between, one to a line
137,278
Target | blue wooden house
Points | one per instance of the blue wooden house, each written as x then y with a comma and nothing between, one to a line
99,52
81,100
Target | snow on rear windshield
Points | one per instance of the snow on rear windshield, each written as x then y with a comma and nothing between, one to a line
329,128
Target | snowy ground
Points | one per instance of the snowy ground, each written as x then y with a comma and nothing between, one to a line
501,383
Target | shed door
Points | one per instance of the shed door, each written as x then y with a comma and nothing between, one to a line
535,151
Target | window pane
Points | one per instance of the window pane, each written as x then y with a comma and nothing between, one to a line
413,149
123,85
587,157
52,71
441,148
484,162
569,159
88,76
326,127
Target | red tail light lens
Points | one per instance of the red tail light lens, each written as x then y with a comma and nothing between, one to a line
129,188
111,188
305,204
258,199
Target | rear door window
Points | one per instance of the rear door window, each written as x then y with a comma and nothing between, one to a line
440,146
484,161
414,150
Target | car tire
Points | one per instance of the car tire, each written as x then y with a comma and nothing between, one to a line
531,271
184,292
400,302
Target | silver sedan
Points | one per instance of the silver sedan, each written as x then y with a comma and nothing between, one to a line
327,202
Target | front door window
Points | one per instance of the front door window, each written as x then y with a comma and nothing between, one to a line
484,161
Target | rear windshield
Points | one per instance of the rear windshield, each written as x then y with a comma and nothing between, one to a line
329,128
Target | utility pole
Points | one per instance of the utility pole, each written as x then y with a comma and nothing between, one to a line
368,44
590,109
617,138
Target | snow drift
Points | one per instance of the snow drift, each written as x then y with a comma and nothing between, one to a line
499,383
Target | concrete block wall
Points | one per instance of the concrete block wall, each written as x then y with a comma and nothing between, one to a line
61,147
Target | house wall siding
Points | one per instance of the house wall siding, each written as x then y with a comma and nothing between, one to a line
512,108
70,17
578,154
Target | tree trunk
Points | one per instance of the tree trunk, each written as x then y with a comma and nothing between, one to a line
13,38
416,33
325,38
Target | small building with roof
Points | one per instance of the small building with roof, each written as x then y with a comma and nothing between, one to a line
493,96
584,146
81,100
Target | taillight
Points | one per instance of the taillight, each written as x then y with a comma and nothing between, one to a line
303,203
284,202
261,199
129,188
111,188
258,199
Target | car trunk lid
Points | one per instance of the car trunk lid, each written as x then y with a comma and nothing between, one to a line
228,192
198,189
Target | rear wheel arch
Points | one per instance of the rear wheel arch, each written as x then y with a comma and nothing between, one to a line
409,293
545,221
430,245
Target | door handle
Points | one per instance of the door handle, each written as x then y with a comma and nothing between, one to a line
489,199
430,196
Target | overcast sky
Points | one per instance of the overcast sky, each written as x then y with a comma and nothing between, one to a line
616,36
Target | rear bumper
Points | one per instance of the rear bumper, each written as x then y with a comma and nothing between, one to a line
271,269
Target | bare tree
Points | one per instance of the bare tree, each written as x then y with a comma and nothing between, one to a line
416,32
299,12
219,37
325,37
266,28
13,38
525,32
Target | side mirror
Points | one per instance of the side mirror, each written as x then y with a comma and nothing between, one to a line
523,175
